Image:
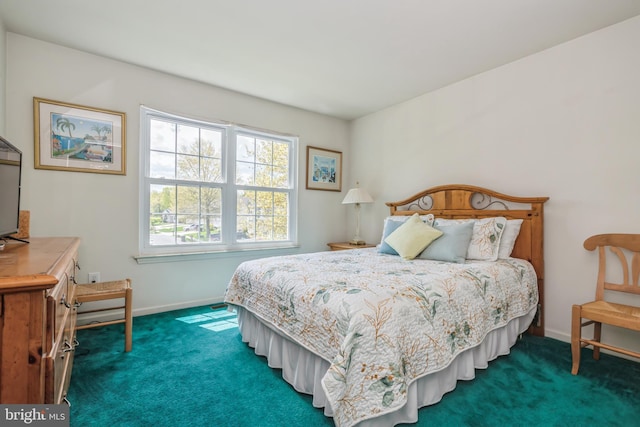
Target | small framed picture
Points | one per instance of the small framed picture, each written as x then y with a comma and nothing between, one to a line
324,169
70,137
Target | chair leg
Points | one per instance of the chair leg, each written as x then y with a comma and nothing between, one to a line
597,335
128,320
576,330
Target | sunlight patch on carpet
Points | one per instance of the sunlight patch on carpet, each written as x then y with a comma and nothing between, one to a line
216,321
220,325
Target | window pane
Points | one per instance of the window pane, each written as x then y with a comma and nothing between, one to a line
188,202
211,201
211,228
188,167
211,156
162,214
280,228
162,136
246,149
281,155
188,140
211,143
162,165
280,177
246,228
162,200
264,152
189,233
264,203
211,169
203,230
281,204
263,175
245,173
246,202
264,228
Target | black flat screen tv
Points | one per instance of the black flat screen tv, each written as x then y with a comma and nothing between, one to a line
10,170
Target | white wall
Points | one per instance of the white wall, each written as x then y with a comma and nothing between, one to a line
103,209
3,73
563,123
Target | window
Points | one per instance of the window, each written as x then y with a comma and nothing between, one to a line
209,186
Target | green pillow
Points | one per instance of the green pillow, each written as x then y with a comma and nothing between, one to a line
412,237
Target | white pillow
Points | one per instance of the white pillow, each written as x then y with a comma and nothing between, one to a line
412,237
428,218
485,240
509,236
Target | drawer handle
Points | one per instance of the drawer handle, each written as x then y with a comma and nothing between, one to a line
77,304
67,347
63,300
65,400
75,343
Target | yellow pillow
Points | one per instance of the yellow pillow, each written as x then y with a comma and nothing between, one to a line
412,237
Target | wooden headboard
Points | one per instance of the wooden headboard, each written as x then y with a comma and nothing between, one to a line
468,201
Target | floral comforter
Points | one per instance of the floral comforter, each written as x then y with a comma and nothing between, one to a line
382,322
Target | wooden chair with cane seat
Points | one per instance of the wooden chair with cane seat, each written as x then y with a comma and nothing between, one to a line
627,248
90,292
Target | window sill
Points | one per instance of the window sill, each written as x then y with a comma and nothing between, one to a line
230,253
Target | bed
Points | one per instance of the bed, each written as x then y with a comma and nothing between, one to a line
375,334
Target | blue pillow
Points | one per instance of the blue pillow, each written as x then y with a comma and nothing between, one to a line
389,227
452,245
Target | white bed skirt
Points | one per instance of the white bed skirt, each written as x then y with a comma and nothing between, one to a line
304,370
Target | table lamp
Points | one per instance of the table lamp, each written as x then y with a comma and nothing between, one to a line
356,196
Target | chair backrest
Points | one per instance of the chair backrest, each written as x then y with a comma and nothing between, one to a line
627,248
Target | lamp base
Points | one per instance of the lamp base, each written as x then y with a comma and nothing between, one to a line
357,242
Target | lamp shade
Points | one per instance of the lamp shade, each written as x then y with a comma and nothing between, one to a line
357,195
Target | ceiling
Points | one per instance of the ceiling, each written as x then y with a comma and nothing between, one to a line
343,58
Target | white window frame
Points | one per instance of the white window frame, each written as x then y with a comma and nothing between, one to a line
229,188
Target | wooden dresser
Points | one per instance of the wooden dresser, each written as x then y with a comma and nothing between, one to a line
37,319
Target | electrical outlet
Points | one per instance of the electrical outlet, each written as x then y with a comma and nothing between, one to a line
94,277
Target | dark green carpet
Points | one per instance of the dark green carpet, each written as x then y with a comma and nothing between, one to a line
182,374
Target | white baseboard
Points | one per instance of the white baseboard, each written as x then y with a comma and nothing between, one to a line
84,319
563,336
560,336
177,306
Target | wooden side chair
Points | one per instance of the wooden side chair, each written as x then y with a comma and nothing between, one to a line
627,248
101,291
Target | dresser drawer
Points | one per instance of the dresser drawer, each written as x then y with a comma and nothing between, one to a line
62,312
60,360
58,308
61,299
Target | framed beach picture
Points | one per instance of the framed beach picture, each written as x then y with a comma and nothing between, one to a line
324,169
70,137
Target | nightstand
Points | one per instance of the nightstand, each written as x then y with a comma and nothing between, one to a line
346,245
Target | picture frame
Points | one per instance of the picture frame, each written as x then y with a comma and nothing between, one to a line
78,138
324,169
